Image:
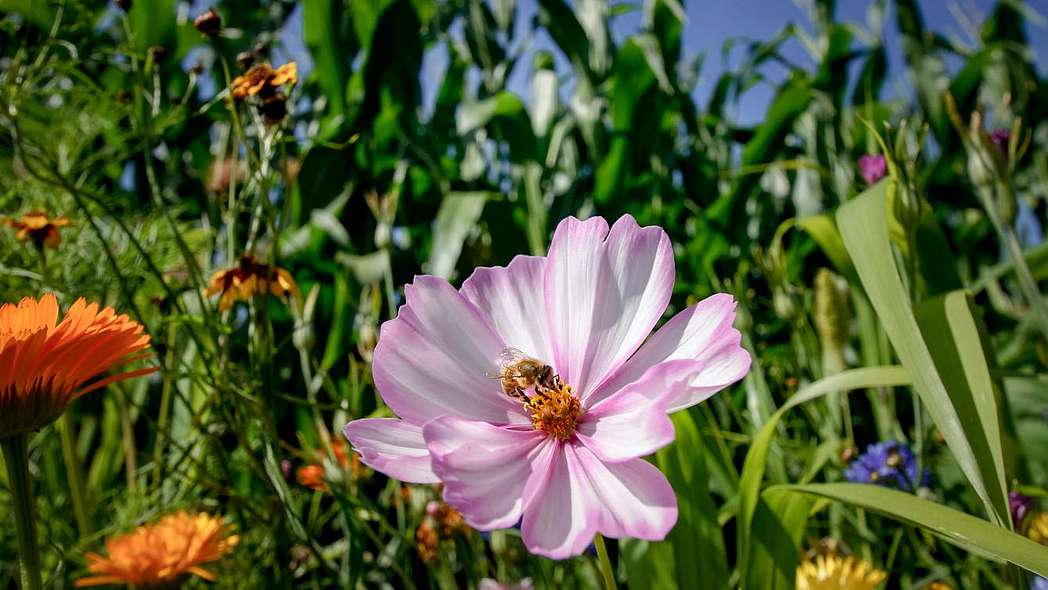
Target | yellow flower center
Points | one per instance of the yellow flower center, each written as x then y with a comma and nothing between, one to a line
554,409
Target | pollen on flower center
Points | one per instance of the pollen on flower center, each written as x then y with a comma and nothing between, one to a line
554,408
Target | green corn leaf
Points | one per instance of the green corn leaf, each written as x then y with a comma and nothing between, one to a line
863,223
458,214
963,530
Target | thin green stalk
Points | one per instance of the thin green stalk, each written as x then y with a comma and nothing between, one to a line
605,562
74,473
16,455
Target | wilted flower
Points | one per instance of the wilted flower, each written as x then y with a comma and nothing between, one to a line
1020,506
249,277
45,364
831,572
209,23
264,81
563,448
489,584
872,168
163,554
889,464
426,542
124,5
36,227
1037,530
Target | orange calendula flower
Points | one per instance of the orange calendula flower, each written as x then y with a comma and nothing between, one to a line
38,228
264,81
162,554
831,572
312,477
246,279
45,364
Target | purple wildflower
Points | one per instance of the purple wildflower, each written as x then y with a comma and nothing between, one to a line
872,168
1020,506
1039,583
890,464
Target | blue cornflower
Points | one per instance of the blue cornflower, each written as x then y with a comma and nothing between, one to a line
890,464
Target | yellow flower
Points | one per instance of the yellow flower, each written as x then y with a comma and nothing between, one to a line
35,226
830,572
45,364
246,279
163,554
263,80
1038,528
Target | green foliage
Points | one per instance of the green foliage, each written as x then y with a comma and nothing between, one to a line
366,184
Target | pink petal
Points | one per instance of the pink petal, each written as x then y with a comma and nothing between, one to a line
512,298
434,358
634,498
559,518
581,495
633,422
483,467
702,332
603,296
392,447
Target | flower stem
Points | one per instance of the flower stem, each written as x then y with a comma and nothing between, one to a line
16,455
74,474
605,562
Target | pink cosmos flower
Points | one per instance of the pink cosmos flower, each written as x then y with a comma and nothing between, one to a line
564,458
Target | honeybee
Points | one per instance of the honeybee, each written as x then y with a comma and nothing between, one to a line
518,372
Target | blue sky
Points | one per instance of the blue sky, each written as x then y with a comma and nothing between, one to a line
712,22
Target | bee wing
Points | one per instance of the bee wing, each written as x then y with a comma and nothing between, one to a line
508,357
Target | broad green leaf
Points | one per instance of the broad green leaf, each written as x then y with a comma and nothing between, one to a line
697,539
757,457
963,530
863,224
953,338
781,520
457,215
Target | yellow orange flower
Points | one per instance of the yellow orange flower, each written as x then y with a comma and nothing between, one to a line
1038,528
35,226
162,554
831,572
263,80
248,278
312,476
45,364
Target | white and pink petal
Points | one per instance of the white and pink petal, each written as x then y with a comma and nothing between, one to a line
605,290
512,298
702,332
435,357
392,447
484,468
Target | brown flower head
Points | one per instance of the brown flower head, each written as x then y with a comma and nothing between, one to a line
249,277
163,554
38,228
45,364
209,24
264,81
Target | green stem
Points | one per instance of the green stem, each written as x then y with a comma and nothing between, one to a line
74,474
16,455
605,562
